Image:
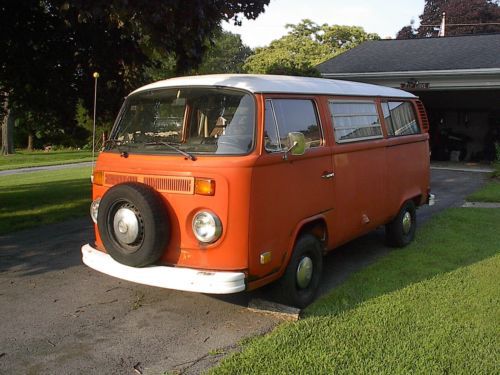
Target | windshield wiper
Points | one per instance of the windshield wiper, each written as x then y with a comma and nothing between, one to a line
113,141
187,155
118,144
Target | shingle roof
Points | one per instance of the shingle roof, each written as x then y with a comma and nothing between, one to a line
445,53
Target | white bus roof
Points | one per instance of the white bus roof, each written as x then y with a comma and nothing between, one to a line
256,83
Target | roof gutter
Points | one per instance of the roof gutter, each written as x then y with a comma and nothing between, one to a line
416,73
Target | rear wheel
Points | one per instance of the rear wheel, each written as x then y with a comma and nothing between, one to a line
401,231
300,282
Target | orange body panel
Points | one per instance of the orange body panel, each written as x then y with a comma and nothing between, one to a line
232,180
263,200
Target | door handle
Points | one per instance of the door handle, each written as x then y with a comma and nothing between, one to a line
327,175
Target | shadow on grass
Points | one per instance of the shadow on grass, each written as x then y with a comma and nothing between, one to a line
451,240
45,248
40,196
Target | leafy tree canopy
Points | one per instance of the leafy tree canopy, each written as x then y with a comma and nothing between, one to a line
306,45
51,47
225,53
463,12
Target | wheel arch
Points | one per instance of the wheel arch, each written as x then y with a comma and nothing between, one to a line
418,197
315,225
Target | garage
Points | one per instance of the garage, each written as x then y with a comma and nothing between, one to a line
457,78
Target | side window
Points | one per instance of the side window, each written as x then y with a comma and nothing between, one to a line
290,115
400,118
355,120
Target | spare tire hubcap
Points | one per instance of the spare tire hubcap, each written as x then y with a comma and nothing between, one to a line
126,226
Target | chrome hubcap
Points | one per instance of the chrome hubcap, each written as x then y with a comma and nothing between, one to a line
304,272
126,226
406,223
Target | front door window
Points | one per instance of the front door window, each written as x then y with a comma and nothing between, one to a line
284,116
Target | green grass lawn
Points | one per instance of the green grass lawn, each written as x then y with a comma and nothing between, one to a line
36,198
490,192
496,167
24,159
433,307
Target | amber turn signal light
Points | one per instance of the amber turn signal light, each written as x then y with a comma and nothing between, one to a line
98,178
204,186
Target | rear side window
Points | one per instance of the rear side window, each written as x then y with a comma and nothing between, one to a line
400,118
283,116
355,120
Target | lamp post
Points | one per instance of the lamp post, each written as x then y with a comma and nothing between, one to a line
96,76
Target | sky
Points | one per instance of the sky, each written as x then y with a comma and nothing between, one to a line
384,17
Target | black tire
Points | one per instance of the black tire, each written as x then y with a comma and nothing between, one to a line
307,246
151,222
399,232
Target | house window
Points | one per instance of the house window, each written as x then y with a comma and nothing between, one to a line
400,118
355,120
283,116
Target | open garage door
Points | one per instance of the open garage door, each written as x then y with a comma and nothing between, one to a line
464,124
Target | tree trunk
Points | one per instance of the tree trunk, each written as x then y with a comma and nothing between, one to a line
7,131
30,141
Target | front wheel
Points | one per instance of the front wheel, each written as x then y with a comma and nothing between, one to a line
301,280
401,230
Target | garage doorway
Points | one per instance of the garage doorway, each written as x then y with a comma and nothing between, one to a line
464,124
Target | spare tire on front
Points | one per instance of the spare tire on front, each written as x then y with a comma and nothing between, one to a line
133,224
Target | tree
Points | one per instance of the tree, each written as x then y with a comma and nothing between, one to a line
462,17
7,127
306,45
226,54
51,47
407,32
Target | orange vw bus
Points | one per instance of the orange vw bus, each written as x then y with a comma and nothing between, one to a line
225,183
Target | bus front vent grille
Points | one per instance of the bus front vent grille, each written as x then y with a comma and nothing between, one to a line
163,184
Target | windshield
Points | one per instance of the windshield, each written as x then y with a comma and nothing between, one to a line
186,121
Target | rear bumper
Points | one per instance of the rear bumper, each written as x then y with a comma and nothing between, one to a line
187,279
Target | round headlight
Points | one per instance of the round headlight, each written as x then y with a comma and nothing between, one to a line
206,226
94,209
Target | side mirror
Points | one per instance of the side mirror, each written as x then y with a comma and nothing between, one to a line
297,143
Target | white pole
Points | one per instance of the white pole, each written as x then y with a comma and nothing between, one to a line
96,76
442,30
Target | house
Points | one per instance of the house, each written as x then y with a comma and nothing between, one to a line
457,78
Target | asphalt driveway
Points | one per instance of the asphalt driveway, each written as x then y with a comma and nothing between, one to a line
60,317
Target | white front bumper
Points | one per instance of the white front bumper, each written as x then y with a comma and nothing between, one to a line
188,279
